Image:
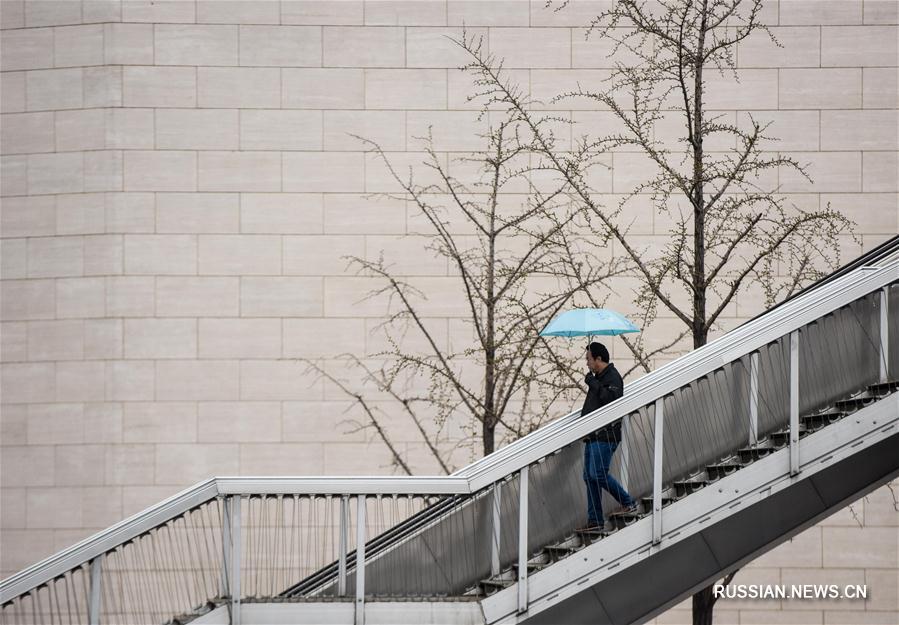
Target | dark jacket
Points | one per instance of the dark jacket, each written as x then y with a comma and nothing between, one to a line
601,390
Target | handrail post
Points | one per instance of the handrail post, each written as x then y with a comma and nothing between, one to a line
658,448
235,560
93,607
794,402
523,540
226,547
884,334
624,452
753,398
341,562
495,535
360,560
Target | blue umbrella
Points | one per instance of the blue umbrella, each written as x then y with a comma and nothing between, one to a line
588,322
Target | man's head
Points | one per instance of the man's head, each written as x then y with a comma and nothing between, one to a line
597,357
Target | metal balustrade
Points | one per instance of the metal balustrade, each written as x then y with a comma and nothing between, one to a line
227,541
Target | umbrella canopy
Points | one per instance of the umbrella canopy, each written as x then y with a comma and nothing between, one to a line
589,322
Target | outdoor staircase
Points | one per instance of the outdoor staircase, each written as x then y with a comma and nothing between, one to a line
577,541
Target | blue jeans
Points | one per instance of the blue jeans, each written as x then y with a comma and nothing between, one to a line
597,460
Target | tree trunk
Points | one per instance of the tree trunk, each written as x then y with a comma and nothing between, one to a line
703,606
487,430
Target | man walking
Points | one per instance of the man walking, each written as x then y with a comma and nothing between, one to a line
604,385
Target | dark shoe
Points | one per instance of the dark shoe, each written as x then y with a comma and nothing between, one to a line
633,508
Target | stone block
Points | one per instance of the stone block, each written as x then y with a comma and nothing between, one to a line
322,88
238,12
44,505
239,87
80,381
321,255
322,12
130,212
323,338
12,92
244,422
30,48
405,13
55,257
278,380
195,380
239,171
28,217
131,129
487,13
130,296
346,213
310,172
24,133
818,12
128,44
160,87
187,464
281,297
158,11
130,464
879,172
103,423
800,46
103,338
80,213
197,297
14,175
829,171
56,173
280,130
83,129
28,299
14,341
820,88
80,465
240,254
27,466
196,129
439,47
240,338
450,131
160,422
168,170
103,86
532,47
281,459
103,254
269,213
160,338
412,89
360,46
182,44
130,380
55,424
197,212
158,254
75,46
281,46
80,297
859,46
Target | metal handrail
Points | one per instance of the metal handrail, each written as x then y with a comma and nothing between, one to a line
491,469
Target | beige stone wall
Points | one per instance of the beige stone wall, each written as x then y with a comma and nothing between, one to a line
179,188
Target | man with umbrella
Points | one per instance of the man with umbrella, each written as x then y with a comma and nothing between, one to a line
604,385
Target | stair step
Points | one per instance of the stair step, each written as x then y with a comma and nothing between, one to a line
816,421
647,501
883,388
685,487
854,403
717,471
781,438
751,454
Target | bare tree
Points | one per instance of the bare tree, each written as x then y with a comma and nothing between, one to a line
730,228
522,265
